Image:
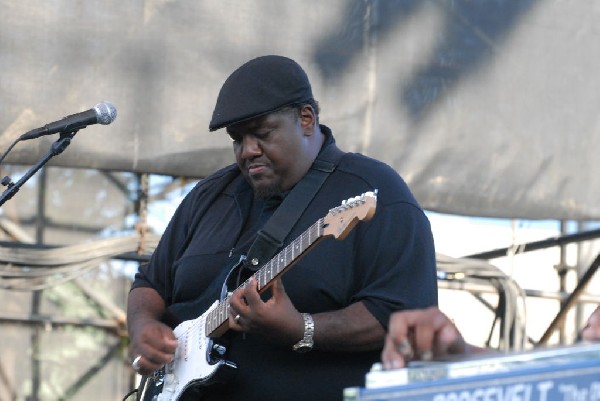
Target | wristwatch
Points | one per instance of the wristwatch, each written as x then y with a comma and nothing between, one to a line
306,344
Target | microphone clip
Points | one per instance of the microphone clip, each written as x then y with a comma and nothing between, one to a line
57,148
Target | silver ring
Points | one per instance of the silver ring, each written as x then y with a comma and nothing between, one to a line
427,355
405,349
237,318
136,363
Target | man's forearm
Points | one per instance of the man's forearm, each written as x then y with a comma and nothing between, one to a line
144,304
353,328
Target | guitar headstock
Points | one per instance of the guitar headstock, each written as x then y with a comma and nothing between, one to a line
341,219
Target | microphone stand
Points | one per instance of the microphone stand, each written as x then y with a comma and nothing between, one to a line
57,148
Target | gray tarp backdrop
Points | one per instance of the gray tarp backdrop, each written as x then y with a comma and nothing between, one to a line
486,108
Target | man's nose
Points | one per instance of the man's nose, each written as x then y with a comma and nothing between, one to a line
250,147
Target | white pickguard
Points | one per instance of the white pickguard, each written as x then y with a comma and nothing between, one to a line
191,363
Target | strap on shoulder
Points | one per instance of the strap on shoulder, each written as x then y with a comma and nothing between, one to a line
271,237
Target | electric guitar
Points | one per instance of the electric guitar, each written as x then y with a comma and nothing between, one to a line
199,359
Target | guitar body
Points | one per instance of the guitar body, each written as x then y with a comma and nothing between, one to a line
199,362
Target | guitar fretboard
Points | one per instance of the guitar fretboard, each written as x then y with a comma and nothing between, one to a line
268,272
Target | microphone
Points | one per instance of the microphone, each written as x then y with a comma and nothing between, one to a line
103,113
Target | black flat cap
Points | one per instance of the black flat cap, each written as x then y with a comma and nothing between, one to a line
260,86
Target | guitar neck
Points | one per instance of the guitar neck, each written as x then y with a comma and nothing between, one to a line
264,276
287,257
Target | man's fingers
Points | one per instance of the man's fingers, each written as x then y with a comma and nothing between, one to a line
451,341
278,288
405,349
250,294
428,332
392,355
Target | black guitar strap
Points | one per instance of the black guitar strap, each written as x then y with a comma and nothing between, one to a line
271,237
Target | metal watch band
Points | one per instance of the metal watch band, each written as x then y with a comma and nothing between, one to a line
306,344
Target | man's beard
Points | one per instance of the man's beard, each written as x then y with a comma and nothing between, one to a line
266,191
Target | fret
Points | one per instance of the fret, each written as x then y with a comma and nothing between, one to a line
287,255
223,311
268,273
260,277
215,316
305,240
209,324
271,270
282,263
264,275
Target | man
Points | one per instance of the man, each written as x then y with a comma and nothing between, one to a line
430,332
335,303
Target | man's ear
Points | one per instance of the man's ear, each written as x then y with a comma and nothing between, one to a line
308,119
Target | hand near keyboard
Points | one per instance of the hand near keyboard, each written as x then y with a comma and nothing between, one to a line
423,334
591,332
